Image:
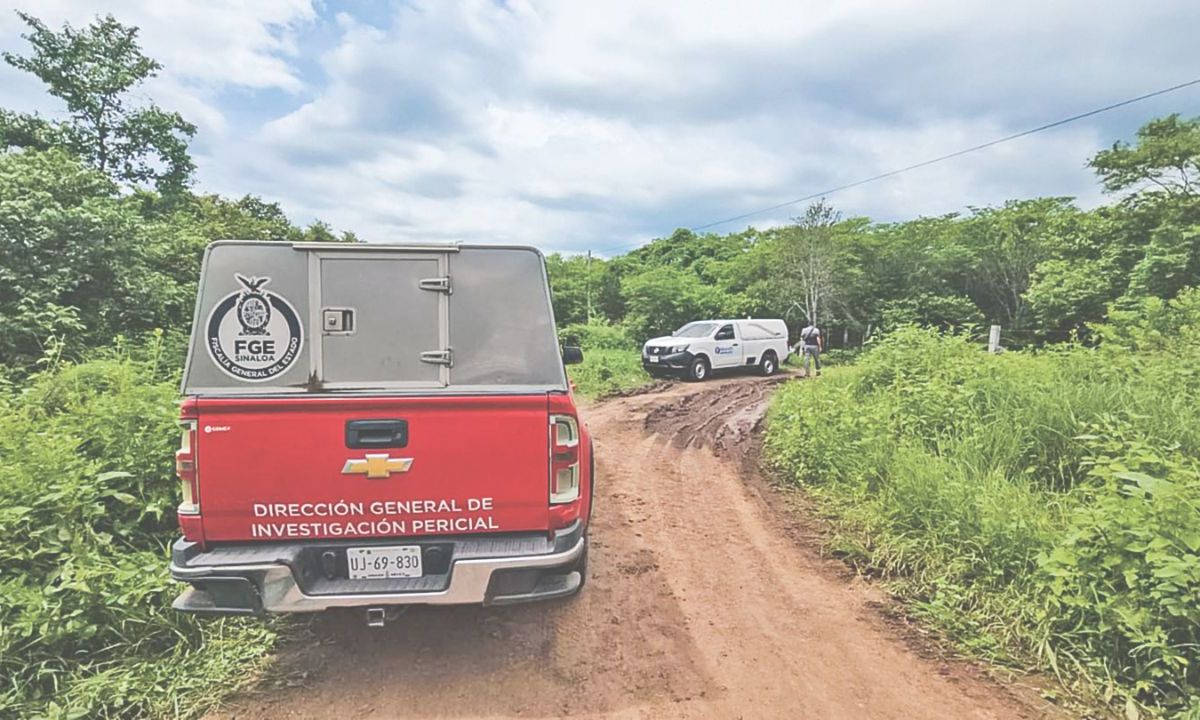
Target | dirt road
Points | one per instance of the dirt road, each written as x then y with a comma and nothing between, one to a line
703,601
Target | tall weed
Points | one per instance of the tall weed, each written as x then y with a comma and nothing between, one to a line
1042,508
606,371
86,512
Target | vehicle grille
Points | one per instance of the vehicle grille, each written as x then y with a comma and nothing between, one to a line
652,350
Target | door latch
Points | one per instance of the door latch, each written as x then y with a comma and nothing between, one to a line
438,357
436,284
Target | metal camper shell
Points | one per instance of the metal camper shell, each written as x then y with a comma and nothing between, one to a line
393,319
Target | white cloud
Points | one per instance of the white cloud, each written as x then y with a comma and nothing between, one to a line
578,124
204,47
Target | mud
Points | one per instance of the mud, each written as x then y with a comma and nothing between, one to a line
706,598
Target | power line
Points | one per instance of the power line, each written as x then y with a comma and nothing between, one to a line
942,158
958,153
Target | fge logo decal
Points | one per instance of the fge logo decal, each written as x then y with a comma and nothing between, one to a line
253,334
723,351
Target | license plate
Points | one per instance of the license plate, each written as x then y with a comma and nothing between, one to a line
378,563
653,358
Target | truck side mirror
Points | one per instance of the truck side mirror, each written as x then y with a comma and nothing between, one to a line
572,355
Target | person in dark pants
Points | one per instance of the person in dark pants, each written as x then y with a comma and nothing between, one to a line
810,346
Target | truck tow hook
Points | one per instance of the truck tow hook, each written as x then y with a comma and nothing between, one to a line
377,617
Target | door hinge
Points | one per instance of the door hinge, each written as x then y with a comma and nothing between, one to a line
437,284
439,357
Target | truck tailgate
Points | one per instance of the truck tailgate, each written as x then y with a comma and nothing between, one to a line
275,469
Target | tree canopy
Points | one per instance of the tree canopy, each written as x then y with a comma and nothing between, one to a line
93,70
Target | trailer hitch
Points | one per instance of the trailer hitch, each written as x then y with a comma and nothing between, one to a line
377,617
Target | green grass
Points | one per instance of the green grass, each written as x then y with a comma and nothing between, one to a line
612,361
87,496
1042,509
607,371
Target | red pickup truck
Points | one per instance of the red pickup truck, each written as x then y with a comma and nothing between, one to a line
372,426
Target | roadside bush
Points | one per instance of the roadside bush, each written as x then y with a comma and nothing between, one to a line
1122,580
1041,508
829,358
598,335
604,372
87,492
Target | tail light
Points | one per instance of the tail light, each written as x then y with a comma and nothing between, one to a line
564,459
186,471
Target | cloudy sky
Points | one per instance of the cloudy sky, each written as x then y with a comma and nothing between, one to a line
577,125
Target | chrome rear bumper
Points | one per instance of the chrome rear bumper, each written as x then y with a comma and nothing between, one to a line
221,587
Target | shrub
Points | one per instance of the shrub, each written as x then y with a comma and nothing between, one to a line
1038,507
604,372
86,512
598,335
1123,578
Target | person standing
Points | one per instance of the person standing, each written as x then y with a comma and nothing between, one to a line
811,345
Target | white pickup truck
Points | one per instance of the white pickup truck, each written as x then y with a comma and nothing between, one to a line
696,349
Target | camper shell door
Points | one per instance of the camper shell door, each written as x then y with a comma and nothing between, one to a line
383,319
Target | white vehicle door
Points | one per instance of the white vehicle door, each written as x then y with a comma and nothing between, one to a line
727,347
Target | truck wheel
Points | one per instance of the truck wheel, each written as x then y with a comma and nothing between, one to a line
768,365
581,564
698,370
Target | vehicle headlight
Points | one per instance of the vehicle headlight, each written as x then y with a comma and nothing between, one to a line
677,349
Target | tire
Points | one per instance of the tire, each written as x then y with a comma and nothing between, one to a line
581,564
698,370
769,365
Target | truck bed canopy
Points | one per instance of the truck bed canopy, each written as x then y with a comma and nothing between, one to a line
278,318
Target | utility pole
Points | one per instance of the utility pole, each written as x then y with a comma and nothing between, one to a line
587,283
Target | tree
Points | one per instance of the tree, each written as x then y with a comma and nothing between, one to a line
947,312
63,235
18,130
1165,159
569,283
93,70
807,262
662,299
1009,242
1085,269
1171,261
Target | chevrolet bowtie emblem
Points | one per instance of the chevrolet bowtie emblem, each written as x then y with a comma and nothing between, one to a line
376,465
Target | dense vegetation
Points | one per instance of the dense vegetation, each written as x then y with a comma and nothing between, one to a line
1044,508
100,246
86,511
1040,505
